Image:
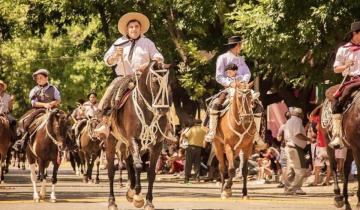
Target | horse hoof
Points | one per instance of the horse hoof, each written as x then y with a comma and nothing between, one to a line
97,181
339,203
138,201
246,197
53,200
112,207
226,193
42,197
36,200
23,168
149,206
130,195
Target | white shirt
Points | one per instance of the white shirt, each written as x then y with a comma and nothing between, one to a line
4,103
293,127
243,72
344,54
90,109
144,51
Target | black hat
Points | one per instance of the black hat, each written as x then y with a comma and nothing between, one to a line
355,26
234,40
40,71
91,92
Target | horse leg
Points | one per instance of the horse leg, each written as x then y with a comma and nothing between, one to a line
347,170
1,169
23,159
219,152
245,170
131,175
153,157
42,179
97,179
54,181
356,155
227,192
110,156
339,199
7,162
33,180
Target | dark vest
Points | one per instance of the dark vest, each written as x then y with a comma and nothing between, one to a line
46,96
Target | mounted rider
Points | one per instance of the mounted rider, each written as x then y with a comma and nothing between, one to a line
6,103
130,55
231,70
84,111
347,62
42,97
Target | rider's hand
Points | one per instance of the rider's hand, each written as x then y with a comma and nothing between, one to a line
349,63
119,51
47,106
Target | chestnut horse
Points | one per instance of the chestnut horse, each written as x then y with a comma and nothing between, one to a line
236,131
5,143
141,125
48,137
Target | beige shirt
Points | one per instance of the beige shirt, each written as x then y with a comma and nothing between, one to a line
196,135
5,100
90,109
293,127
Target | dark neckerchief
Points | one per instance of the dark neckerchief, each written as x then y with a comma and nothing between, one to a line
352,46
133,42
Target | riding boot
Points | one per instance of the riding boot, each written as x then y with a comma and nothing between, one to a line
213,121
104,128
336,142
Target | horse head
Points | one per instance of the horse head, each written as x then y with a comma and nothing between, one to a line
244,98
92,124
57,128
153,84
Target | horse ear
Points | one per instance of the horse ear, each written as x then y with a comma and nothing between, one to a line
250,84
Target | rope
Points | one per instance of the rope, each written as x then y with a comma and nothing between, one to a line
148,131
240,122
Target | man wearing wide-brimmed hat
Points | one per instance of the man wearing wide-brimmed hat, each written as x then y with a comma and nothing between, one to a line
43,96
347,62
231,70
6,103
129,54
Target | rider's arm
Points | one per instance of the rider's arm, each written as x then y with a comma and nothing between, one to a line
111,57
302,137
11,103
220,74
243,72
341,61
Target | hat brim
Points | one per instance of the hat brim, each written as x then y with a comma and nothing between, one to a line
3,83
230,43
124,20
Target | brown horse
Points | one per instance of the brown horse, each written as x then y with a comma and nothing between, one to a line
140,125
236,131
90,149
351,136
48,137
5,143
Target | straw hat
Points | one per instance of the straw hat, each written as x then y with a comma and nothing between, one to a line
4,84
124,20
40,71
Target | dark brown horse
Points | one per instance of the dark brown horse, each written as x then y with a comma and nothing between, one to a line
48,137
236,131
5,143
351,136
90,149
140,125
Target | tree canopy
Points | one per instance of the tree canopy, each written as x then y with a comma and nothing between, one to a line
289,43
